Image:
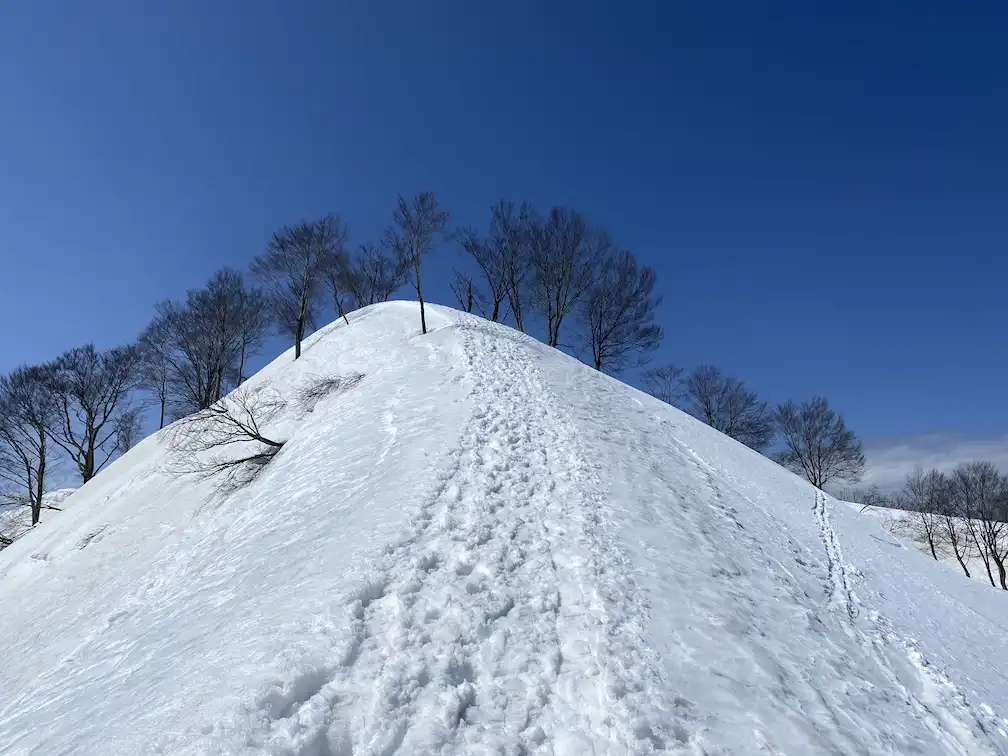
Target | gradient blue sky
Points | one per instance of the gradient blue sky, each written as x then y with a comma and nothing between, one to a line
821,187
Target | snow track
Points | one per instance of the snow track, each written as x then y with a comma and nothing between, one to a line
939,705
501,621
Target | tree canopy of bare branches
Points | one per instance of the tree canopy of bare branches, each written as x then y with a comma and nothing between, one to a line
924,494
818,443
981,496
192,353
373,276
665,383
465,291
92,390
618,314
417,229
27,410
489,261
294,269
724,403
509,244
566,257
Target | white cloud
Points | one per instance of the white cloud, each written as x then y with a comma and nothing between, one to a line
890,461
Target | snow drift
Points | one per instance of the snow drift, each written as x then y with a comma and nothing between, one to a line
484,547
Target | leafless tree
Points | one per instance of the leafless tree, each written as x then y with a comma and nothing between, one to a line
922,495
510,242
252,325
373,276
293,272
953,527
92,390
665,383
465,291
490,260
128,426
339,274
817,443
197,350
417,228
724,403
567,255
618,314
227,440
27,410
981,494
155,366
317,388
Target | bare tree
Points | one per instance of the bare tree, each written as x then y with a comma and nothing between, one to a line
817,443
27,410
618,314
417,228
724,403
566,258
953,527
293,271
155,366
465,291
373,276
665,383
227,440
489,258
982,497
340,276
128,426
510,245
92,390
252,325
922,495
196,351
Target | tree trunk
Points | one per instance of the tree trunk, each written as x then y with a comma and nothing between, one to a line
931,544
496,311
962,564
241,364
39,490
164,398
297,338
423,317
1001,574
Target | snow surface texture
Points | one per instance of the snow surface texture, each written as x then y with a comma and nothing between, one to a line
485,547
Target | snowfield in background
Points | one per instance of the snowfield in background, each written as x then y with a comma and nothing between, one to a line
15,517
485,547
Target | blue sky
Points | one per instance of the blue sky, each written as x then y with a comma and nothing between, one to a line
821,188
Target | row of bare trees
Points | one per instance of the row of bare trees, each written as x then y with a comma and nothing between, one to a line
813,439
963,513
558,266
79,405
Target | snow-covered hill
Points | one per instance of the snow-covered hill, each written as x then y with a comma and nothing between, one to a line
485,547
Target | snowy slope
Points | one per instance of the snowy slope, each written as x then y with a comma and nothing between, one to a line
485,547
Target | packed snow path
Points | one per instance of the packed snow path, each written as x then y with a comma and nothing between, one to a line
490,627
485,547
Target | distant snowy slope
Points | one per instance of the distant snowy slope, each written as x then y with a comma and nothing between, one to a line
15,516
485,547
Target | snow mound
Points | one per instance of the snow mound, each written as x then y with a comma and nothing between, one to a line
484,547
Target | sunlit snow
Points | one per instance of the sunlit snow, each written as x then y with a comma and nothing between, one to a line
485,547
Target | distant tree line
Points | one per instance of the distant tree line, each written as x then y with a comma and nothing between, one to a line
526,267
961,514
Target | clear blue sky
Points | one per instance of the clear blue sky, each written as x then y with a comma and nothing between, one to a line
823,188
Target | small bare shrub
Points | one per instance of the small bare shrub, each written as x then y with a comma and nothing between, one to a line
317,387
226,441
